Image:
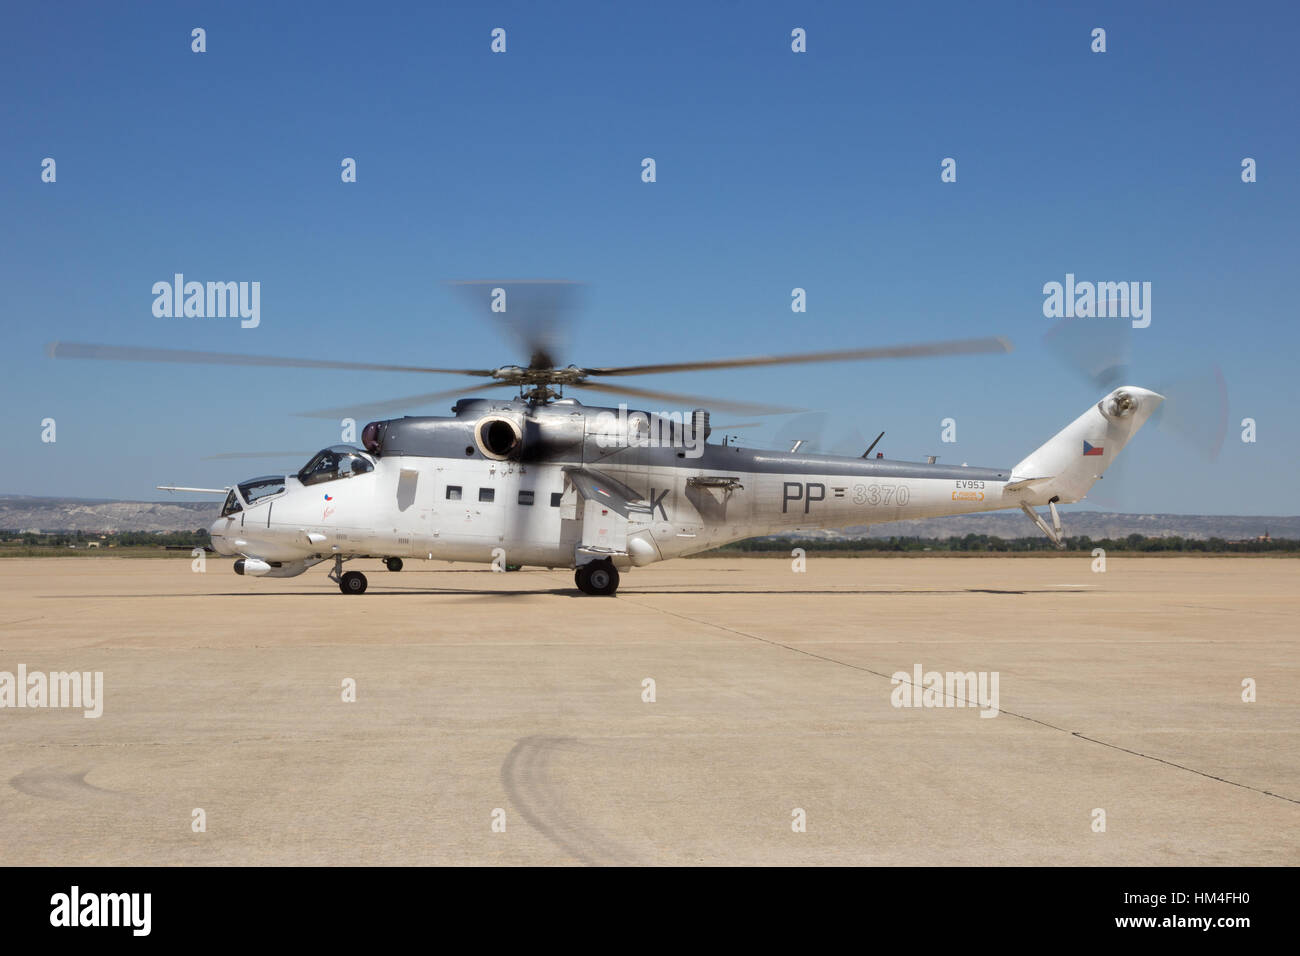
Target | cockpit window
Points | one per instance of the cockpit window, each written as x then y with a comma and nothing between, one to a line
256,488
338,461
232,505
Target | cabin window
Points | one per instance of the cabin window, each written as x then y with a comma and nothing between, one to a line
232,505
525,497
555,498
487,495
453,492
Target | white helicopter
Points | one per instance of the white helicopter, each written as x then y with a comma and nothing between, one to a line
543,480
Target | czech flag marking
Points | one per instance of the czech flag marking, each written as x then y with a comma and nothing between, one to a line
1089,449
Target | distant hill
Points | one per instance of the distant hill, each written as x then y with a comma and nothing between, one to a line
24,513
1093,524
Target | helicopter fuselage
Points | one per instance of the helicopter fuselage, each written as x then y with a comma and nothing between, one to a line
552,486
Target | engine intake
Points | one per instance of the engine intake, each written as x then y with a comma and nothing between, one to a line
372,437
498,438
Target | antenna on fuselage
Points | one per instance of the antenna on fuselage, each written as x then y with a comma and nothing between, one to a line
867,453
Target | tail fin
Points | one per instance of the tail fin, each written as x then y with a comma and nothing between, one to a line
1070,463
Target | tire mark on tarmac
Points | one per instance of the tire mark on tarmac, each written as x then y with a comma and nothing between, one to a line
58,785
526,778
1001,710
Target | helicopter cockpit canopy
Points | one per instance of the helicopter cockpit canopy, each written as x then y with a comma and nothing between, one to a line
252,491
337,461
257,488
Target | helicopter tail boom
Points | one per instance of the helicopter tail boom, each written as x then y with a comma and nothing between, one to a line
1070,463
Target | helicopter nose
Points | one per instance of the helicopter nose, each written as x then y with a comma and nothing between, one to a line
219,542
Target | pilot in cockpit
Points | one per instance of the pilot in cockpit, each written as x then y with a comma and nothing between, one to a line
340,461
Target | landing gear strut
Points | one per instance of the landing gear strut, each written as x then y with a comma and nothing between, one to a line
1054,532
353,582
598,577
393,564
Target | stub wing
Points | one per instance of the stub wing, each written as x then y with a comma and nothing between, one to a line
607,505
609,493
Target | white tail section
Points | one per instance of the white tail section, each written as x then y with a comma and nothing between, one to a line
1070,463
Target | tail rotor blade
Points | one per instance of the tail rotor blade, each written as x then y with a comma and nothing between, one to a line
1195,410
1196,401
1097,349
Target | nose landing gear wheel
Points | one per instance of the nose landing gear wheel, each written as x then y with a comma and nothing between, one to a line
354,582
393,564
598,577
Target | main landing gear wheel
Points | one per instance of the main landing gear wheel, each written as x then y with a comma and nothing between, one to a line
393,564
354,582
598,577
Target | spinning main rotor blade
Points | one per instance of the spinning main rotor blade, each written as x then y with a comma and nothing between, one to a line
373,410
950,347
537,313
689,401
131,353
812,430
809,429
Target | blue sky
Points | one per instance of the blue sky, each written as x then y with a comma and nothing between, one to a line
775,170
